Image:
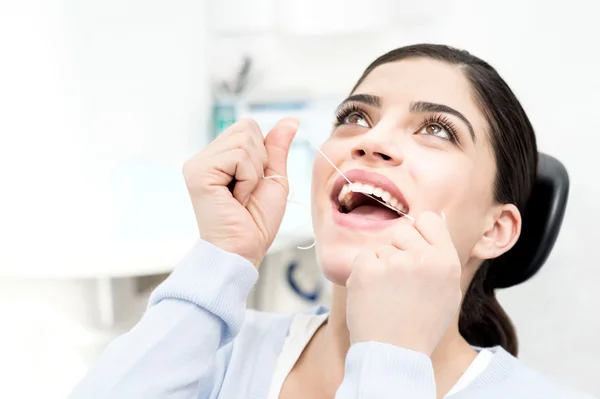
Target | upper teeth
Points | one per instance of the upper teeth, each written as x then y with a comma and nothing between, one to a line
345,196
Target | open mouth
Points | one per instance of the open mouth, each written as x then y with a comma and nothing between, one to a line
370,195
365,199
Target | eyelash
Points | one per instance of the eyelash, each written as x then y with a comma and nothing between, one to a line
438,119
346,111
444,122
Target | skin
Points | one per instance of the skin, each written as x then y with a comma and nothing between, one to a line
400,285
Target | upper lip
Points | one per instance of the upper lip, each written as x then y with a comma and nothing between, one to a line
365,176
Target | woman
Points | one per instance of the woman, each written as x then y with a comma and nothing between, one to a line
433,132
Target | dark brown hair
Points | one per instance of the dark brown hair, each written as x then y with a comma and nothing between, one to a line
482,320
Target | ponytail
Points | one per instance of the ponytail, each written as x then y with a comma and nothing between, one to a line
482,320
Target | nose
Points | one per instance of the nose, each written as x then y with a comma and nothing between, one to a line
377,147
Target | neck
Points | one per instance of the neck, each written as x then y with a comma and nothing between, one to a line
450,359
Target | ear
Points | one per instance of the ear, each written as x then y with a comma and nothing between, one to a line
500,234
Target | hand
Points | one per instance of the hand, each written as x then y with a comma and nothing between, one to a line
407,293
236,209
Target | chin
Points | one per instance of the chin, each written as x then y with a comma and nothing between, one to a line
338,243
336,261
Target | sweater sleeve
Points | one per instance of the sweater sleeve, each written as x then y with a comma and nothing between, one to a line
172,351
378,370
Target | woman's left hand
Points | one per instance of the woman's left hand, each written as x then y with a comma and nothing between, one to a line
407,293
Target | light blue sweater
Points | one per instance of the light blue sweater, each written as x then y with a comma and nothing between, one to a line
197,341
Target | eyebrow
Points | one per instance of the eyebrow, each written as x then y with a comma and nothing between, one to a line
415,107
423,107
369,99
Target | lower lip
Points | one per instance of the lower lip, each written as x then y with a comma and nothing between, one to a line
357,222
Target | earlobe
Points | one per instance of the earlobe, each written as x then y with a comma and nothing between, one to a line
501,234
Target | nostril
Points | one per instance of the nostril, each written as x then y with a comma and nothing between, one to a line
385,157
358,153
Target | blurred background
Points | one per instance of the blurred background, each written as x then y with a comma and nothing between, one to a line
101,102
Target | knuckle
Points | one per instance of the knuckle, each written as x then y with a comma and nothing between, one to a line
190,169
252,124
246,127
192,172
240,155
400,263
243,140
384,251
247,122
240,128
248,140
234,129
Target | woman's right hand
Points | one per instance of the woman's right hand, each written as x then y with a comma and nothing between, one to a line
236,209
408,292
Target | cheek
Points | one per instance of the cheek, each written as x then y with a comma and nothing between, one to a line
318,172
323,172
441,182
456,188
320,175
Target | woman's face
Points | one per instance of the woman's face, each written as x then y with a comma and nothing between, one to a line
410,129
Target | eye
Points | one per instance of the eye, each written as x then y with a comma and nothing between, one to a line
434,129
356,118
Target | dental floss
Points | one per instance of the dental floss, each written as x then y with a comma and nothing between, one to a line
348,180
329,160
291,201
290,194
389,206
310,246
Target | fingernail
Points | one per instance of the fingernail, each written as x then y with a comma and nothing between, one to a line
443,215
295,122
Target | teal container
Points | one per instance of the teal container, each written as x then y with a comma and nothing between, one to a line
224,115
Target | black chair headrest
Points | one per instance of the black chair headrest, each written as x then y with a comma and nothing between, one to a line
542,220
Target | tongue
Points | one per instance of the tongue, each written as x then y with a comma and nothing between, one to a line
375,212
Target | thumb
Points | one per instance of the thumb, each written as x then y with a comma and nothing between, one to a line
277,144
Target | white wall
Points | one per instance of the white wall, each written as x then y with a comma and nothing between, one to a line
98,98
100,104
548,53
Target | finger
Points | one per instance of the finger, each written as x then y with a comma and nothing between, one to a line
246,142
365,260
243,134
385,251
277,144
364,257
433,228
401,260
259,140
406,236
245,175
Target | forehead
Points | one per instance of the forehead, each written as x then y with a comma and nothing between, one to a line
402,82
